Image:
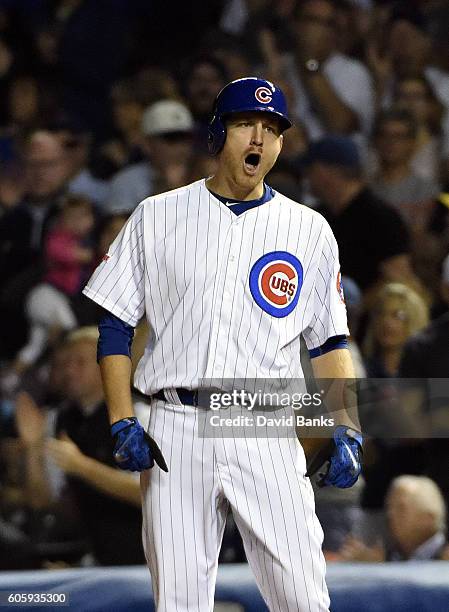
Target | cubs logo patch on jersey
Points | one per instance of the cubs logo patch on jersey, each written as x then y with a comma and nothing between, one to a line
275,282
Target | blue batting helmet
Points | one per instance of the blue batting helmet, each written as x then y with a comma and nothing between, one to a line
248,94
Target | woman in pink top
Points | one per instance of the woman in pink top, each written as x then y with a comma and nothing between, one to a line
66,257
48,306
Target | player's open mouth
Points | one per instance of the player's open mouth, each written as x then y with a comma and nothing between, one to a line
252,162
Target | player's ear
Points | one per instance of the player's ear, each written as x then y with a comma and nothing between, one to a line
281,142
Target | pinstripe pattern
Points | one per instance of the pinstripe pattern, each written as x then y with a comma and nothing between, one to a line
184,552
184,259
263,481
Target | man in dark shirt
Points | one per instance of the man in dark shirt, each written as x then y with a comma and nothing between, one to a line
373,240
113,525
426,358
426,355
47,171
107,500
22,230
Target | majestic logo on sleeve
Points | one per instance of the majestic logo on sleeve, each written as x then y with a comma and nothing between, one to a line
263,95
275,282
340,287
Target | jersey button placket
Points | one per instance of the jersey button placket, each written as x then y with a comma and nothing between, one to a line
215,362
230,284
231,271
223,313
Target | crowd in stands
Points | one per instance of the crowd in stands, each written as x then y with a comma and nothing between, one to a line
106,103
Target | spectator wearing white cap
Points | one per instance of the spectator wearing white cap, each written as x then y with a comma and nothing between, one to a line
167,128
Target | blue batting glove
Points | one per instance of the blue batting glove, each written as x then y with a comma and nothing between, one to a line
345,463
134,449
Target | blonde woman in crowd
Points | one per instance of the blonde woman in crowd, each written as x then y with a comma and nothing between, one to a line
397,313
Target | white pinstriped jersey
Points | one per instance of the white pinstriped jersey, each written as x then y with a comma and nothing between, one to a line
226,296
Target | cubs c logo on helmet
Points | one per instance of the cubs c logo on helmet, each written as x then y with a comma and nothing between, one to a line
263,95
275,282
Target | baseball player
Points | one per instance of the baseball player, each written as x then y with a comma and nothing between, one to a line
229,274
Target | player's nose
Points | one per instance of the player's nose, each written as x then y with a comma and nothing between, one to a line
257,134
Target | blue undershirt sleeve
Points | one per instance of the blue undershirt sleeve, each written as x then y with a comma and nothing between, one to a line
335,342
116,337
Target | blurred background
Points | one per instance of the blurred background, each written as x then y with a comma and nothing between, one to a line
103,103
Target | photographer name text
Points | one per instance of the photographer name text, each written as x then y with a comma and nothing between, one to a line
261,420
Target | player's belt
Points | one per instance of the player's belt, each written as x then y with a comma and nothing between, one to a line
185,396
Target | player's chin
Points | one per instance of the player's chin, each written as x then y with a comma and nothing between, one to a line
250,182
251,179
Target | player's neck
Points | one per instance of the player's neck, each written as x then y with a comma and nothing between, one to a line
227,188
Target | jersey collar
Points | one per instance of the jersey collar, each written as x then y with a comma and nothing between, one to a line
238,207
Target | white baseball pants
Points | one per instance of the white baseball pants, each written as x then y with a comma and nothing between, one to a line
184,513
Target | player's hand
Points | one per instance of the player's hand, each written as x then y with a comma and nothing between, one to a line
345,462
134,449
